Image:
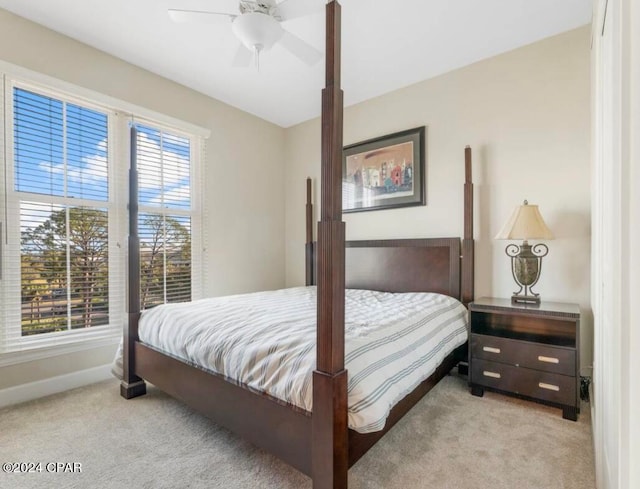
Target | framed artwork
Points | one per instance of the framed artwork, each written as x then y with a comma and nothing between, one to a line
385,172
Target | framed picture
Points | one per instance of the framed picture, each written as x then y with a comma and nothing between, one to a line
385,172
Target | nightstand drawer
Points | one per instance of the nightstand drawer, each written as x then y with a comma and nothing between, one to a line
547,386
524,354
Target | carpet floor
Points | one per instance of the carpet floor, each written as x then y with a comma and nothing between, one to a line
449,440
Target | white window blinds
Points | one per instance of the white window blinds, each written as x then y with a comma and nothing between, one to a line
58,221
166,216
63,216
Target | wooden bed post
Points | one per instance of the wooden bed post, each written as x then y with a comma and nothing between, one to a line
467,241
132,385
330,450
308,246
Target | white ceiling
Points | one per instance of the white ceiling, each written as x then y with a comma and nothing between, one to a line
385,45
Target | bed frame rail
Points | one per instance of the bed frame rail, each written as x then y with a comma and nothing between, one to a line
267,422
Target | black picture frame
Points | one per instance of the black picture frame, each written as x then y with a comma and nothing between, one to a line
385,172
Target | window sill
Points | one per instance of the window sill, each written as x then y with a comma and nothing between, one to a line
31,351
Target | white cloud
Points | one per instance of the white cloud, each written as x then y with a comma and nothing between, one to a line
102,145
176,165
94,167
93,170
32,214
178,195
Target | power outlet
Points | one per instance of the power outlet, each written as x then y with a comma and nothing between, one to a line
585,381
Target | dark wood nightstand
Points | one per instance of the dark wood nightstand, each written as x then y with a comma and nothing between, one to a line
526,350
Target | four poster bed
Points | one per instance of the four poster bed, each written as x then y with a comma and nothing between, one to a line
316,441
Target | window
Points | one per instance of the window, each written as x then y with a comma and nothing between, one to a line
164,181
61,187
63,216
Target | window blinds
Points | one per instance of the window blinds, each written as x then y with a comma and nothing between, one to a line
60,224
61,181
165,221
63,217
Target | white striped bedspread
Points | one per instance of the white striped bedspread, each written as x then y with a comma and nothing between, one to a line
267,341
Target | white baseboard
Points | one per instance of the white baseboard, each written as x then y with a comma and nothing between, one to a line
53,385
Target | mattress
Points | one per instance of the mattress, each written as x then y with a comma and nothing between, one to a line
267,341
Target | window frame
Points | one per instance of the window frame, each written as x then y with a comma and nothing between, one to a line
13,338
195,212
120,116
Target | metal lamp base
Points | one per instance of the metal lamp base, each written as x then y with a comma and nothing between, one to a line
526,264
525,299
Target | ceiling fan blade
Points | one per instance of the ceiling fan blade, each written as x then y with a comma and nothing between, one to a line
197,16
243,57
302,49
291,9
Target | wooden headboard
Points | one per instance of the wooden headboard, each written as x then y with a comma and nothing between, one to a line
401,265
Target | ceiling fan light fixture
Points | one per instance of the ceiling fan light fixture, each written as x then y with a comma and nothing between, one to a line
257,27
257,31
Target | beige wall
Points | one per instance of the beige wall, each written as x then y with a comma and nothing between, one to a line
526,115
245,229
22,373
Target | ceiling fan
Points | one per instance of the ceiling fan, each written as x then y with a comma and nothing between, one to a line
257,24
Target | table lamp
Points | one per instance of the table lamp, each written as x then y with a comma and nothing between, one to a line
526,261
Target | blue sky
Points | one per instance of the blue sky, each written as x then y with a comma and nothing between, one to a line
40,153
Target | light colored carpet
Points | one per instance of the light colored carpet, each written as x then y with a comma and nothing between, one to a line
449,440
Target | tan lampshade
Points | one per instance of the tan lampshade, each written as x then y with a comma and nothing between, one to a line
525,223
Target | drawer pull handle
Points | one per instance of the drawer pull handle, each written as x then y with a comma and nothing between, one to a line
495,375
491,349
548,359
550,387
